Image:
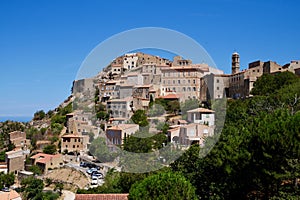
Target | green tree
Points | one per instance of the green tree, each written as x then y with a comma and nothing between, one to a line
50,113
156,110
6,180
50,149
174,106
49,195
140,142
268,83
32,188
91,136
163,127
65,110
48,182
58,119
97,92
56,128
99,149
39,115
2,156
59,187
189,104
103,115
151,102
139,117
35,169
163,186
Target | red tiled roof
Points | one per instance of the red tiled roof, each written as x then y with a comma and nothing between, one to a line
44,158
201,110
101,197
143,86
71,136
171,96
12,194
122,126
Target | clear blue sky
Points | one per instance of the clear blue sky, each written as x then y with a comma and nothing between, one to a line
42,43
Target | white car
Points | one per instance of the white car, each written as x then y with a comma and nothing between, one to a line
90,171
94,180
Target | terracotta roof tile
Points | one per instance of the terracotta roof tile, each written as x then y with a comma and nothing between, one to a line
201,110
9,195
101,197
44,158
71,136
171,96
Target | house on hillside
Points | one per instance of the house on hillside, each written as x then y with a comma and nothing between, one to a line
74,143
194,133
173,134
47,161
201,116
15,160
18,138
116,134
120,108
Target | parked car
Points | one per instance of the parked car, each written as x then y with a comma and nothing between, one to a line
98,167
90,171
83,164
94,180
5,189
97,174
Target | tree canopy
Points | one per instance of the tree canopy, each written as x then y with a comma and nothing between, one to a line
50,149
166,186
139,117
99,149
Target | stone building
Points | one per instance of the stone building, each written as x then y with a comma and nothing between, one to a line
18,138
173,134
116,134
125,90
239,83
194,133
235,63
74,143
41,144
201,116
111,89
120,108
182,80
15,160
47,161
214,86
293,66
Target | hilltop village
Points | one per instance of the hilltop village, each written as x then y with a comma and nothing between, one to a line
178,93
135,93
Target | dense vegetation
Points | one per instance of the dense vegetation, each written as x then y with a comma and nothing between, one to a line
6,180
256,157
171,186
32,188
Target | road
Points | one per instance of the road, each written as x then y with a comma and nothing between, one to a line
68,195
